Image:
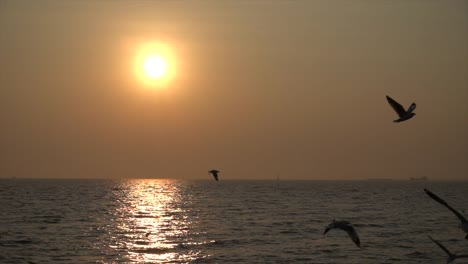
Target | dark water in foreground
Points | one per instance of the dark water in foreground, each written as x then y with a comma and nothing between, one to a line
99,221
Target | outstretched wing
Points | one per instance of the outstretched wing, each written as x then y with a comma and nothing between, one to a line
329,227
444,203
214,173
411,108
352,234
441,246
396,106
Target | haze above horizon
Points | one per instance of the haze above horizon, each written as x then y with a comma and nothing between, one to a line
257,89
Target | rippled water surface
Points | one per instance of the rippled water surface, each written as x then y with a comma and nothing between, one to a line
171,221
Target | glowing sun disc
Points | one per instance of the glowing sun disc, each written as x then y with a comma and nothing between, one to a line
155,67
154,64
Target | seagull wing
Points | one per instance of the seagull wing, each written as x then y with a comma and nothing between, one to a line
396,106
411,108
330,226
444,203
352,234
442,247
215,174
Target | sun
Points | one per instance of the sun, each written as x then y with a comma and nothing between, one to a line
154,64
155,67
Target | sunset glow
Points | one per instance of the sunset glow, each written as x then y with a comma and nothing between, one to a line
155,67
231,131
154,64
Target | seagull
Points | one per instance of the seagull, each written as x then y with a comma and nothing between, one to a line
451,256
402,113
346,226
463,223
214,173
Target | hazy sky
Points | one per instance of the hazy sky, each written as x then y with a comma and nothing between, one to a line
262,89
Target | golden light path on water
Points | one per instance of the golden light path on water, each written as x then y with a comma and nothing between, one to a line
155,222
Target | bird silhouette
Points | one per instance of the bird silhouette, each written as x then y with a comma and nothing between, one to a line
214,173
402,113
345,226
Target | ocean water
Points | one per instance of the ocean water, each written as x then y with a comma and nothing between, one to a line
107,221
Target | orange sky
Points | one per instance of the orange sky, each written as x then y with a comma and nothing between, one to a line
262,89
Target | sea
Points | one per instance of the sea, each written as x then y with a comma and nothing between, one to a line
230,221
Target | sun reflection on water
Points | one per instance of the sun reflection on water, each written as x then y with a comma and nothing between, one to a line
154,223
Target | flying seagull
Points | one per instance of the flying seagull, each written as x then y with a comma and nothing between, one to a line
214,173
463,224
402,113
451,256
346,226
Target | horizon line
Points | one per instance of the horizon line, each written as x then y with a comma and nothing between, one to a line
231,179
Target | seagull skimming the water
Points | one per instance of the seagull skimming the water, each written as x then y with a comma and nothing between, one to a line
215,174
463,224
402,113
346,226
451,256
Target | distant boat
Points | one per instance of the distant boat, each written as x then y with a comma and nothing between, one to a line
424,178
